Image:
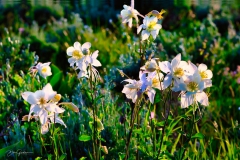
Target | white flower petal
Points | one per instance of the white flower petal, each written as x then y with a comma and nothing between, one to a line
130,23
70,50
96,63
43,116
202,67
95,54
165,67
207,83
151,94
202,98
154,34
77,46
34,109
145,35
175,62
26,94
32,99
49,93
86,46
167,81
52,107
209,74
186,100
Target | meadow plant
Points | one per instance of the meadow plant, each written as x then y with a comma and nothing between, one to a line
177,76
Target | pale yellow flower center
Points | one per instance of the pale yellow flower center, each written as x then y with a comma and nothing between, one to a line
42,101
178,72
192,86
44,69
203,74
151,25
77,55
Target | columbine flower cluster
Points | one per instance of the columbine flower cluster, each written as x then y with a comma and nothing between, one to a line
82,59
150,24
44,105
181,76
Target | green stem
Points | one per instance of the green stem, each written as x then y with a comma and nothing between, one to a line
163,130
95,141
133,116
189,138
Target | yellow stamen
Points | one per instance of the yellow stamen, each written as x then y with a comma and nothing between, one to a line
192,86
44,69
77,55
178,72
42,101
151,25
203,75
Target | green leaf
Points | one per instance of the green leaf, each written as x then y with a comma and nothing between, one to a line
138,131
160,124
83,158
84,138
56,75
157,98
198,136
63,156
4,151
56,79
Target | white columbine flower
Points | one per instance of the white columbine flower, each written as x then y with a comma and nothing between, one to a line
134,87
206,75
156,78
77,53
192,89
150,27
176,71
153,80
128,13
150,66
42,68
41,103
90,60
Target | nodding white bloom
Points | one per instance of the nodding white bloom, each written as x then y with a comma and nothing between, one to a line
153,80
77,53
206,75
43,69
45,127
175,71
156,80
90,60
192,89
150,27
57,119
128,13
150,66
134,88
41,103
